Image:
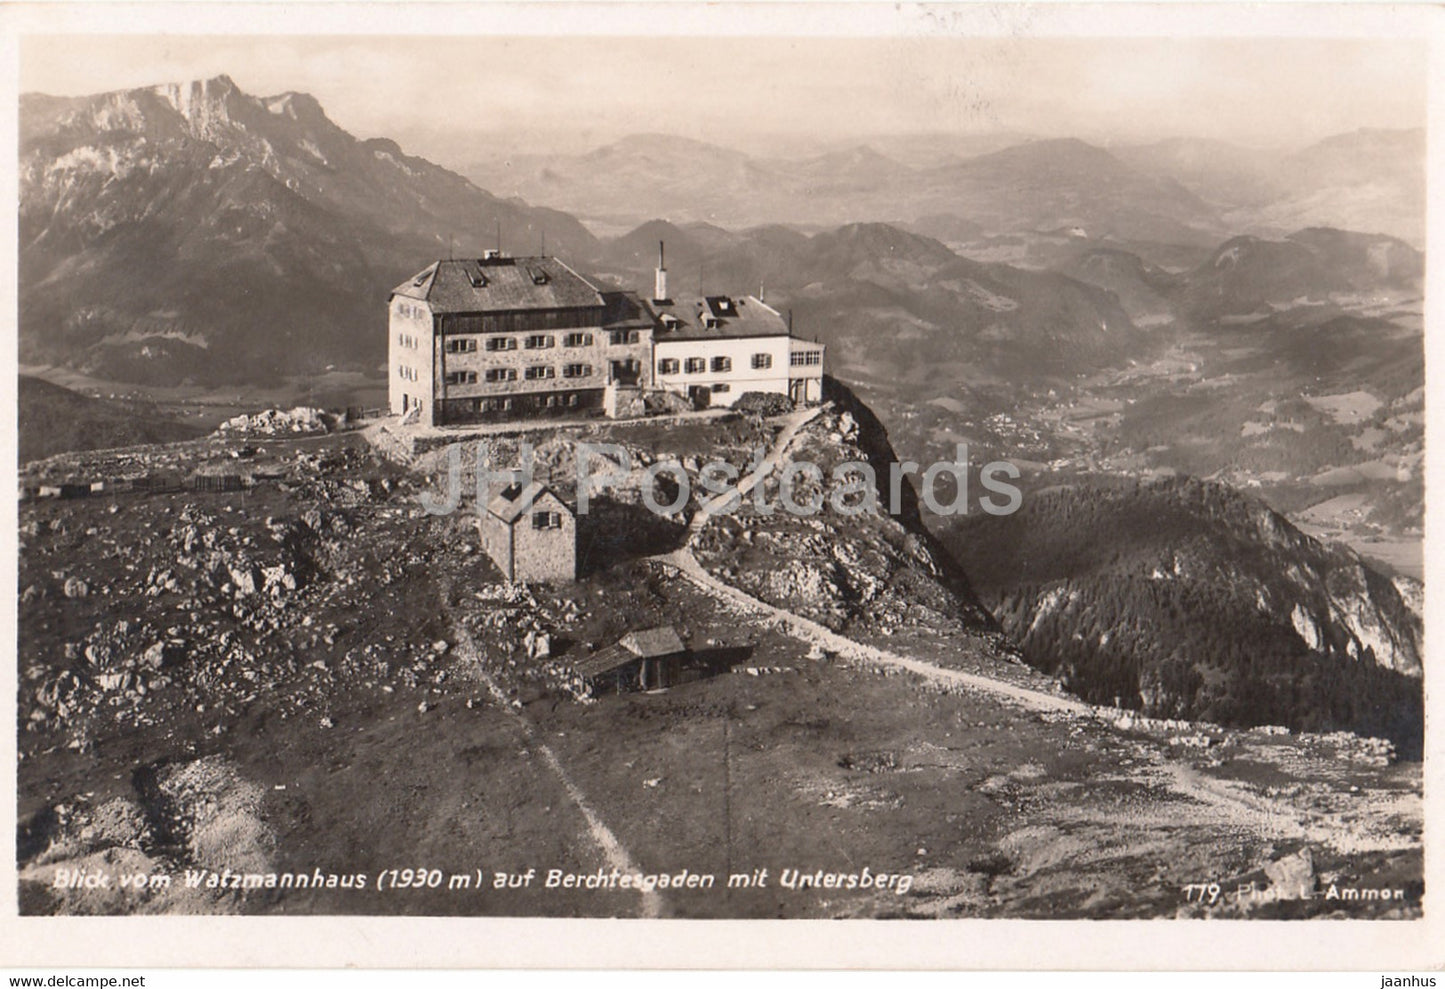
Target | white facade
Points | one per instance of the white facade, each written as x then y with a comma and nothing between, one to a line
409,356
730,367
727,367
805,371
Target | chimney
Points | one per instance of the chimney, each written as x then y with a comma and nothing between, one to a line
659,288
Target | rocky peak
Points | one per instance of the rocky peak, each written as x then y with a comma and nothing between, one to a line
206,105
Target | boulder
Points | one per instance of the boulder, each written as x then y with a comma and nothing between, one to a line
155,656
243,580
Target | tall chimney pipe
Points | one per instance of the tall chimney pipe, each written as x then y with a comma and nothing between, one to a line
659,288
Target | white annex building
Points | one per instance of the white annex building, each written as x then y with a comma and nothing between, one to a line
716,348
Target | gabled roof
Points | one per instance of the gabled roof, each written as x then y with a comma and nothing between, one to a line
650,643
603,661
716,317
514,501
501,284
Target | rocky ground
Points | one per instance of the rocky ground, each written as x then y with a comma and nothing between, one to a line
312,676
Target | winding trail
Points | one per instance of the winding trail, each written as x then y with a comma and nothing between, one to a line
1269,816
792,426
684,563
1274,818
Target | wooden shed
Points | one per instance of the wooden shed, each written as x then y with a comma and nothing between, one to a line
647,659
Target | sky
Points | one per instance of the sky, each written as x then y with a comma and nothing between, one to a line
455,99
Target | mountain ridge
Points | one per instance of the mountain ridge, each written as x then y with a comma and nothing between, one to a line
1186,598
192,231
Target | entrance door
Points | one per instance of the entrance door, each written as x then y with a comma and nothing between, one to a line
701,396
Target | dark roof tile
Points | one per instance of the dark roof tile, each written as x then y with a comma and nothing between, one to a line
471,285
716,317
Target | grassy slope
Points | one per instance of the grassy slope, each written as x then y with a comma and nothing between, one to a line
55,420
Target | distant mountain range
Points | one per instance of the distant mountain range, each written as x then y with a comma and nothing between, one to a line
1247,276
1184,190
196,231
895,305
1250,275
1032,185
901,307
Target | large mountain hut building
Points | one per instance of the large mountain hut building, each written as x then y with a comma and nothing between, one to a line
500,338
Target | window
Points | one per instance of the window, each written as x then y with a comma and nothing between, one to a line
461,377
462,346
721,387
539,372
406,373
496,375
495,344
577,340
722,363
577,371
806,358
761,362
667,365
572,399
546,520
619,337
696,365
540,341
551,401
